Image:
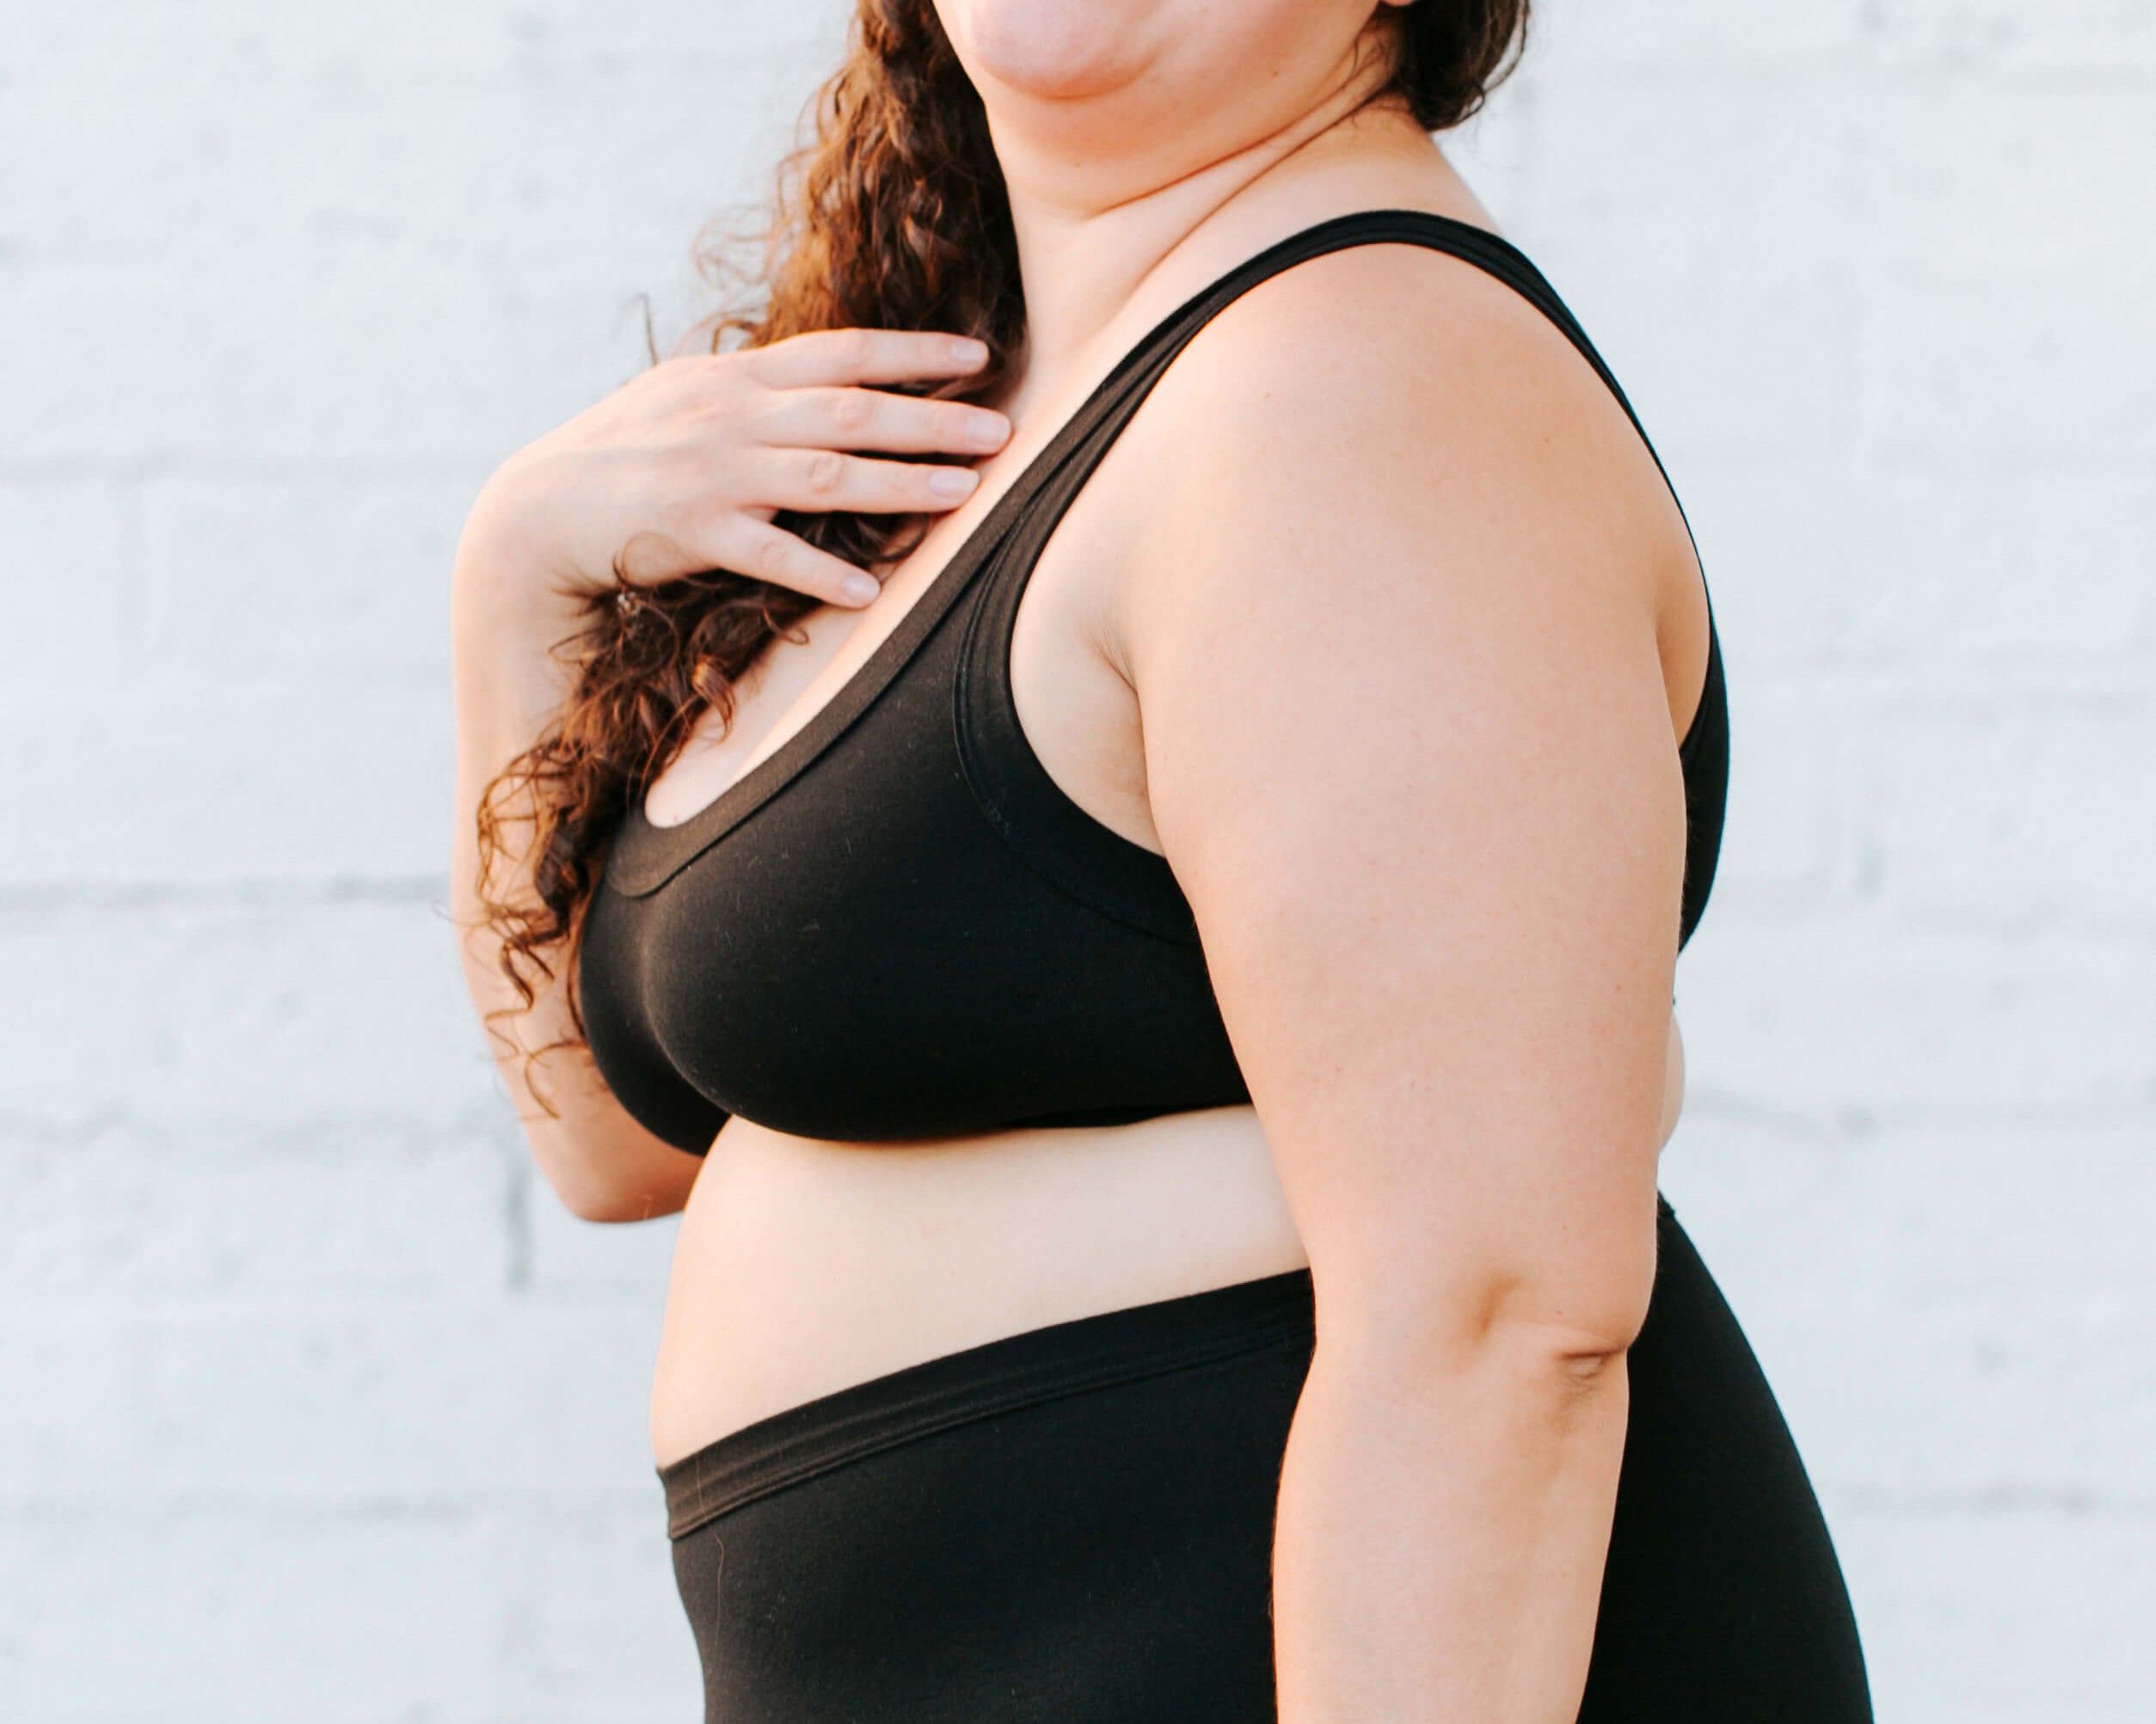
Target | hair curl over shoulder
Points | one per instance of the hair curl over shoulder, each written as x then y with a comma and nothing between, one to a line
893,215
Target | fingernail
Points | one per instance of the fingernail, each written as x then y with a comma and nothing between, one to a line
987,431
953,483
860,588
966,350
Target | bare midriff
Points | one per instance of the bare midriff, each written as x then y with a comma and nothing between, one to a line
803,1267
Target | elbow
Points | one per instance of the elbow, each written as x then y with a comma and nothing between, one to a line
596,1201
1568,1331
1518,1387
1562,1363
1585,1346
1578,1331
1569,1372
614,1184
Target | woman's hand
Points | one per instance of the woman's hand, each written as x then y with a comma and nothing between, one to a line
684,469
681,470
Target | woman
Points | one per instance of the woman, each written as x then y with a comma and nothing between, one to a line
1165,1079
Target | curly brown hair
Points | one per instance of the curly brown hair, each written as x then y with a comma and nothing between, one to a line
893,215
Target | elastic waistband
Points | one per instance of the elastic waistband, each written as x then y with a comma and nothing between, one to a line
982,1381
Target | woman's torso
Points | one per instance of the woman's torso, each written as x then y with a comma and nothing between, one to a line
804,1265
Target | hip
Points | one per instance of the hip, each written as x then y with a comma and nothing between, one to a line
1075,1522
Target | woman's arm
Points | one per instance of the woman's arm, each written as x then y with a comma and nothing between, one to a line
681,470
1410,754
602,1164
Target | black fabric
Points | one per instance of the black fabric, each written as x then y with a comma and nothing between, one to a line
1074,1525
897,925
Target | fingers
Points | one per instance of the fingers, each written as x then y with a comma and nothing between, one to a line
832,418
744,545
831,356
825,480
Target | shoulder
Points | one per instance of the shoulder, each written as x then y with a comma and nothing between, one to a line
1390,429
1410,378
1393,314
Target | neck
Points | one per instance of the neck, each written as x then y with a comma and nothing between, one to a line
1094,223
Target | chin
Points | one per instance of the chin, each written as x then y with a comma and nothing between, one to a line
1054,50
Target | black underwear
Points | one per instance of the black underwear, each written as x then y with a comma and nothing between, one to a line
1073,1525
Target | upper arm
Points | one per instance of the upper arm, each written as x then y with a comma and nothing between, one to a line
1410,752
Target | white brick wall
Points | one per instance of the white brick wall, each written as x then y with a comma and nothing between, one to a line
313,1406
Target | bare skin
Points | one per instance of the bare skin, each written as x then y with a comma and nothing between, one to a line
803,1266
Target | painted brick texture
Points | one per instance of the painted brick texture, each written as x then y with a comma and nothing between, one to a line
318,1404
